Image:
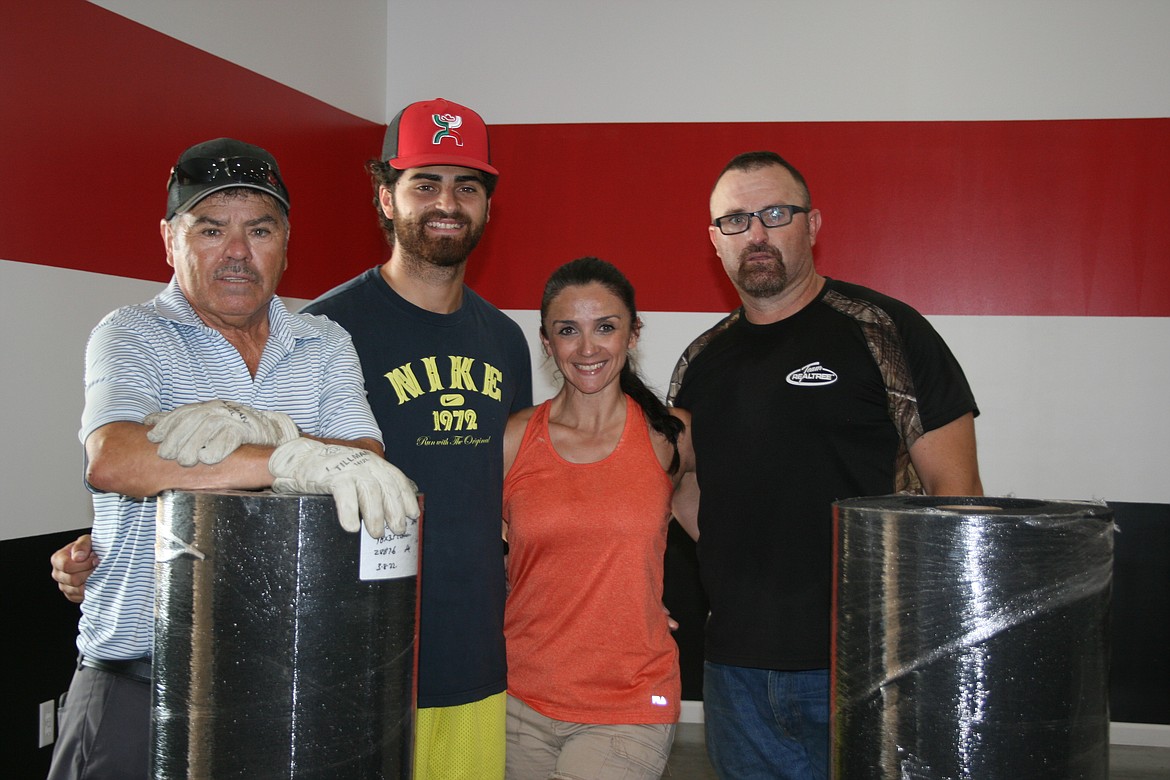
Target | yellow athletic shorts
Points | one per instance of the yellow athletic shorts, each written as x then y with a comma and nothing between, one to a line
461,743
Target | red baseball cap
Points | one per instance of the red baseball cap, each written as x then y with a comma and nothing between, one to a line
437,132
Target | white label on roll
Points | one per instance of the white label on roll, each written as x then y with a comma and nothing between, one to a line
391,557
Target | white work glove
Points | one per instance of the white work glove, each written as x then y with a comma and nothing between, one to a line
361,483
208,432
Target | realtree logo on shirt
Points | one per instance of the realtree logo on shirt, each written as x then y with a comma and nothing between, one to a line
457,376
812,375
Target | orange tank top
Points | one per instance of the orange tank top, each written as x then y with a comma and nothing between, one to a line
586,634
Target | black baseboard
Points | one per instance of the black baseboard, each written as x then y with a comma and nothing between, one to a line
1139,670
39,651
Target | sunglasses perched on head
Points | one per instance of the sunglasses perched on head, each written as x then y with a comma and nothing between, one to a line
246,170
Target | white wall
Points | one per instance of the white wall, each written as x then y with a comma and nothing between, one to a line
532,61
334,51
45,315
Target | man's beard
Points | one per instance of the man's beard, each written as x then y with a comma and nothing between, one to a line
442,251
761,280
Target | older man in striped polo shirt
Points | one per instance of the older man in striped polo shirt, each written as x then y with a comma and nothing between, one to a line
212,384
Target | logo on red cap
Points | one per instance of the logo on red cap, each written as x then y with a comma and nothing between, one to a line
447,124
417,137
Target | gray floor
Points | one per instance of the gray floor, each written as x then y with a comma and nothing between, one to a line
688,759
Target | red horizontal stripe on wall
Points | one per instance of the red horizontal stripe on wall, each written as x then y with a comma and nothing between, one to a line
1005,218
96,108
1021,218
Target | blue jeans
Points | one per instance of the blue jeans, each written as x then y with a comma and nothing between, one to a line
766,724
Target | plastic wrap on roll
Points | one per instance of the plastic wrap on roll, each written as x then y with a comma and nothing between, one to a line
272,657
971,638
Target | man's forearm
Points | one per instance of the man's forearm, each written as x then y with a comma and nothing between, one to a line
122,460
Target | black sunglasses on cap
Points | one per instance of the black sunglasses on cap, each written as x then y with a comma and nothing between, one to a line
204,170
195,178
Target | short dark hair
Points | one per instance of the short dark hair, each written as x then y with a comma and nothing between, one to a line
750,161
383,175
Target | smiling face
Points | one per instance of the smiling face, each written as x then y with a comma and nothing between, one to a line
229,253
439,213
588,331
764,262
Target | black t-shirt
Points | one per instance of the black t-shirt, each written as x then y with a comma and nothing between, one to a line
788,418
441,387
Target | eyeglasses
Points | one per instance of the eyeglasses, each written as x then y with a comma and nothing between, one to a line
770,217
203,170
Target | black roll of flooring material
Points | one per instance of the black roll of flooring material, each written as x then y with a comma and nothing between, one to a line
272,657
970,639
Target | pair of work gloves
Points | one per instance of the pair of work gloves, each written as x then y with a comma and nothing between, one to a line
365,487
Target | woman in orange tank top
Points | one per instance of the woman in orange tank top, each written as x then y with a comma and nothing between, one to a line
593,676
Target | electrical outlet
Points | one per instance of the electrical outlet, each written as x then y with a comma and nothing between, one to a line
48,730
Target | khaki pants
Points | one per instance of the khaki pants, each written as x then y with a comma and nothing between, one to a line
540,747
